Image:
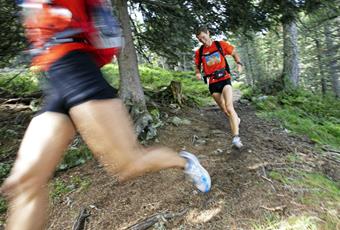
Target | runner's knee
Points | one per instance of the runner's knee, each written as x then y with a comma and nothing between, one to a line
226,112
229,109
26,180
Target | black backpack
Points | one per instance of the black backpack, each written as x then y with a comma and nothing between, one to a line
219,48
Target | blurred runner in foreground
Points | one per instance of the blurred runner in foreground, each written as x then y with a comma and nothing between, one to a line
71,40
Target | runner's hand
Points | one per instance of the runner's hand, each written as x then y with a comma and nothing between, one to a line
198,76
239,68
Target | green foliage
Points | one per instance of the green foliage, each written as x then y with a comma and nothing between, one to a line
5,168
61,187
304,113
155,78
19,83
319,191
75,156
7,133
301,222
3,205
11,33
326,190
111,74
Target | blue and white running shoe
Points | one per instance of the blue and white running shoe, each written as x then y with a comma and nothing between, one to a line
236,142
197,174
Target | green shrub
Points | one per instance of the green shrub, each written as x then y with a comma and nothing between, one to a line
24,83
61,187
5,168
155,78
3,205
75,156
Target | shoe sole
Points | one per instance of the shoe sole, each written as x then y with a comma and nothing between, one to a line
237,147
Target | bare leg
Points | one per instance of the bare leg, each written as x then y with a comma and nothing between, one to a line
234,120
45,140
106,127
226,106
220,102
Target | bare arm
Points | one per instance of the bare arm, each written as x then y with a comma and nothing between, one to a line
237,60
198,73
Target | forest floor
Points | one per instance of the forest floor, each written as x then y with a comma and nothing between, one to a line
249,186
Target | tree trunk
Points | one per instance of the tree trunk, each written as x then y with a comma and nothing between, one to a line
291,70
245,54
321,69
332,63
131,90
254,68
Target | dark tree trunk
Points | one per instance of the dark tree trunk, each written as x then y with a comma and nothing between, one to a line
291,70
247,60
131,90
332,63
321,69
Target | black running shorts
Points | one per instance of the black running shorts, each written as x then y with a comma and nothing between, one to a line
218,86
72,80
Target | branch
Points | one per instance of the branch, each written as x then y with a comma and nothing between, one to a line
80,221
319,22
161,4
139,47
150,221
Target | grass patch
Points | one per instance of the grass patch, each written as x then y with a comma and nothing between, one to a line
318,191
5,169
319,188
302,222
60,187
75,155
20,84
154,79
3,205
303,113
323,190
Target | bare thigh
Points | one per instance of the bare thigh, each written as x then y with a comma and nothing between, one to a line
107,129
42,147
227,95
220,102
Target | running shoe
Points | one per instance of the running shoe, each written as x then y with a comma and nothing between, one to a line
195,171
236,142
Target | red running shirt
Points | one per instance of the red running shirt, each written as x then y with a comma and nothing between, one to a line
213,60
42,25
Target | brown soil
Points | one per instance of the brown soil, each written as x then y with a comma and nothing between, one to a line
242,193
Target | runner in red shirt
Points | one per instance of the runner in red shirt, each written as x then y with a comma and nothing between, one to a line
78,99
216,70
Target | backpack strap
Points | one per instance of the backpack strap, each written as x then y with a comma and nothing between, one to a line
218,45
200,53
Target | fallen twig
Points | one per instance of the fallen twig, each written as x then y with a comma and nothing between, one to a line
264,164
211,108
17,100
270,181
150,221
264,176
330,150
267,179
330,158
275,209
80,221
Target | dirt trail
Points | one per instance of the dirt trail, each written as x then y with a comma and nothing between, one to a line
238,193
241,192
